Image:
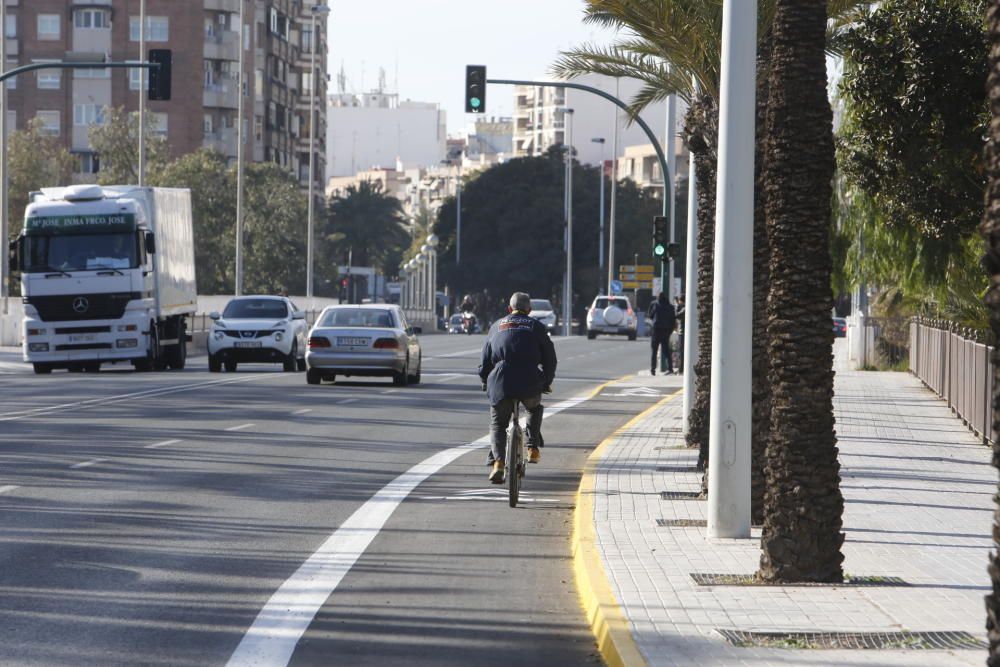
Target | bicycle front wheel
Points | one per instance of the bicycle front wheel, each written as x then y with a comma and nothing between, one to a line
513,464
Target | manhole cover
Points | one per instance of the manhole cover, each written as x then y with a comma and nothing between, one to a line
681,523
854,640
680,495
713,579
677,469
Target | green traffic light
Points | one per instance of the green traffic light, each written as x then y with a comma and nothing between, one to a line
658,250
475,102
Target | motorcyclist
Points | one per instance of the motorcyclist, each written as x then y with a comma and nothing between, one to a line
515,348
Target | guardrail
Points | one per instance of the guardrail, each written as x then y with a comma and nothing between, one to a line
954,363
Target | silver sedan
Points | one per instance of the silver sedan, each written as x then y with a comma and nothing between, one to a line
368,340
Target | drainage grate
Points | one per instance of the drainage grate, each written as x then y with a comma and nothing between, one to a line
713,579
680,495
672,447
670,429
681,523
677,469
854,640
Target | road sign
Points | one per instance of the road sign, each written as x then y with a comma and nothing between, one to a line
636,268
616,287
637,284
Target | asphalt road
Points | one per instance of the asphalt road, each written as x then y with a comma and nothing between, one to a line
189,518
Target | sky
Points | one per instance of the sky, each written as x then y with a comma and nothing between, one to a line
426,44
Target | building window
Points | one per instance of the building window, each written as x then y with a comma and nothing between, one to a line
92,73
12,81
88,163
92,18
88,114
307,38
206,124
157,28
49,79
160,124
135,79
48,26
50,123
11,26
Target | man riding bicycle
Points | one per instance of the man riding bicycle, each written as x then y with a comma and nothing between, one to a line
515,348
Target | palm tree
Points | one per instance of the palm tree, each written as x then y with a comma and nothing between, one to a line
369,222
990,229
803,505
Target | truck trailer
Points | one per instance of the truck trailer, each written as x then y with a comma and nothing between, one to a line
107,276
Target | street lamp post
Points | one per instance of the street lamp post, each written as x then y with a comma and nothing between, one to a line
317,10
432,244
614,197
568,287
691,292
142,91
668,189
600,242
4,224
240,138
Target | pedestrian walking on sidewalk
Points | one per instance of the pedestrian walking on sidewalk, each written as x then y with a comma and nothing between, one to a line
661,314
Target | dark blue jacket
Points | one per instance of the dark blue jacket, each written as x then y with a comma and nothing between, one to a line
515,348
662,315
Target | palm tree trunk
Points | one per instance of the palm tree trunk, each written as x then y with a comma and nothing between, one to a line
702,131
991,231
803,506
761,388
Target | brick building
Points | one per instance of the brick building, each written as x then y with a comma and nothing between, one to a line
204,38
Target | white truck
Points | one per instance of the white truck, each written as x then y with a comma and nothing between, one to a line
107,276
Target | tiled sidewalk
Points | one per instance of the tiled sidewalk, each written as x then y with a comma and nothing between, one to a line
918,505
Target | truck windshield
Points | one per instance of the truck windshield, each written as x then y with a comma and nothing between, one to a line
81,252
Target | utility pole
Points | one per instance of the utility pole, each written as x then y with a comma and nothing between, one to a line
600,241
614,197
729,424
668,190
240,140
458,214
316,10
691,293
4,222
568,303
142,91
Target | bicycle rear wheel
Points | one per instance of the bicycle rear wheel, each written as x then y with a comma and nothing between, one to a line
514,438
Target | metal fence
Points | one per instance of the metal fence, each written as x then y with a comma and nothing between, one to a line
954,363
883,342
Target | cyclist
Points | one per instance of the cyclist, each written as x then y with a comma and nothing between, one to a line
515,348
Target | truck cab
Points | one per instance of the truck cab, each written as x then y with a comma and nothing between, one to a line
92,284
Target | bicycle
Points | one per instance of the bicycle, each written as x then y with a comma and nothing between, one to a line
515,461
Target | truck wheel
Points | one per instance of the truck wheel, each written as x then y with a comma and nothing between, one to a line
230,366
214,365
314,376
176,355
92,367
42,369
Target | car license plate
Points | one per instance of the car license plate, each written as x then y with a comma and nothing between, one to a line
347,341
82,338
247,343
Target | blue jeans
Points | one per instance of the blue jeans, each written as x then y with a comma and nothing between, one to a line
500,415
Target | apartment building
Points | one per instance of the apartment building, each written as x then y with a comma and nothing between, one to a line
204,37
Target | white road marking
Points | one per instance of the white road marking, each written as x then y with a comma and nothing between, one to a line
390,391
165,443
645,392
87,464
347,400
302,411
487,494
240,427
287,615
9,487
161,391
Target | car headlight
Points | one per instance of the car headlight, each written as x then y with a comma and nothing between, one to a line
278,336
218,335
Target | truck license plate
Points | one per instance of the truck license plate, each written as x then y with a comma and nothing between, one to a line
345,341
82,338
247,343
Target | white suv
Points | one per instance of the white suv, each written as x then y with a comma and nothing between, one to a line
611,315
258,329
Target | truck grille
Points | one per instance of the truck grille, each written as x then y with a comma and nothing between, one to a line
83,346
73,307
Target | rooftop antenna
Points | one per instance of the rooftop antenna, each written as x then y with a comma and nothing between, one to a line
381,80
341,79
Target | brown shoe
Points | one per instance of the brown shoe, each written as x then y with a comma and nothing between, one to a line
534,454
496,475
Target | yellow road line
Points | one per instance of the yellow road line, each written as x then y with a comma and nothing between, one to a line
604,614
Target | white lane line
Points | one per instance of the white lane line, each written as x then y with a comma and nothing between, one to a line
451,355
87,464
165,443
160,391
240,427
390,391
347,400
9,487
302,411
286,616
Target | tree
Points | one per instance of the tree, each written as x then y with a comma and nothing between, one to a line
116,141
371,222
35,160
990,229
803,505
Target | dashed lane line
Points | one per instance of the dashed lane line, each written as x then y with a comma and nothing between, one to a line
302,411
276,631
8,488
87,464
240,427
165,443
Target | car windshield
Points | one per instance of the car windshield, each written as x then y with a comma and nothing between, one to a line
456,318
604,302
541,304
255,309
357,317
81,252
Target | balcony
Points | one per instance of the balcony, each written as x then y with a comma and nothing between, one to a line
220,95
223,5
222,45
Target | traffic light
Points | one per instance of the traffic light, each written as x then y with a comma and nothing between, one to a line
673,250
660,237
159,77
475,88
